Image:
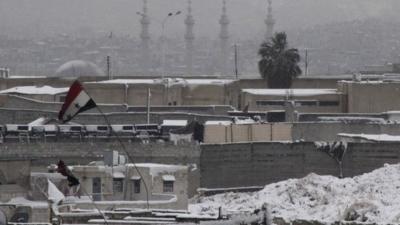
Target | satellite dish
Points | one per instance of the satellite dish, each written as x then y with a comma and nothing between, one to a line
21,215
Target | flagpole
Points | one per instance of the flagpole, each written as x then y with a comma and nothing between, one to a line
77,101
126,153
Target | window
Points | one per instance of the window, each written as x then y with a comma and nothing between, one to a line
270,103
102,128
76,128
62,98
168,186
136,186
306,103
118,185
23,128
127,127
328,103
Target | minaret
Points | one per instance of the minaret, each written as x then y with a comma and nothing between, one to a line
145,39
189,38
270,22
224,38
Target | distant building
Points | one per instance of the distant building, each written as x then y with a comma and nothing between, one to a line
167,185
301,100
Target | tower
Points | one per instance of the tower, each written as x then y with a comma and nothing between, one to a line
224,38
145,39
189,39
270,22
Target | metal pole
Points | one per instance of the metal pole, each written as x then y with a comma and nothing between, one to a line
236,62
109,67
306,63
148,105
163,48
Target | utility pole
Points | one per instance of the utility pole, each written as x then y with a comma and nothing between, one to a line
306,64
148,105
236,62
109,72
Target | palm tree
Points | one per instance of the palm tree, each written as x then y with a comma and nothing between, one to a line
278,64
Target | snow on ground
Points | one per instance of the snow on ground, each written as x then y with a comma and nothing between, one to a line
371,197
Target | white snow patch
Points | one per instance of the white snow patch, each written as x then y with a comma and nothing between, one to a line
372,137
348,119
222,122
174,123
291,92
21,201
35,90
156,169
373,195
55,195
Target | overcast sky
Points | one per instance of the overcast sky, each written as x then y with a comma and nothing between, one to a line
49,17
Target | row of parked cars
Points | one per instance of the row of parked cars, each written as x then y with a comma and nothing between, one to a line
130,130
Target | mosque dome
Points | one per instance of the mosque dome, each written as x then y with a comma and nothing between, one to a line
79,68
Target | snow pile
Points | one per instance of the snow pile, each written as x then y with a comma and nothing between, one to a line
371,197
373,137
352,119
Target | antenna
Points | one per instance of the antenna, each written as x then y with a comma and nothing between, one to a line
306,64
109,73
236,62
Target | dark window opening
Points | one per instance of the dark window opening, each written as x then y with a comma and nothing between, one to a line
22,128
118,185
136,186
102,128
76,128
328,103
270,103
168,186
127,128
306,103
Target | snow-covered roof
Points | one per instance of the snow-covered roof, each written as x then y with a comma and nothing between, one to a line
35,90
174,122
25,77
128,81
21,201
170,81
207,81
222,122
372,137
156,169
354,119
291,92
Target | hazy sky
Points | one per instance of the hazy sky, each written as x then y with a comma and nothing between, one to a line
48,17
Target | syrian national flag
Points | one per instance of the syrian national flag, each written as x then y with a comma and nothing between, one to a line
77,101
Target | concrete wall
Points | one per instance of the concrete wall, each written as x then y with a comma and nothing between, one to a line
371,97
314,131
257,164
252,99
219,134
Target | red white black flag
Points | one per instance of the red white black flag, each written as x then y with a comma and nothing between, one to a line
77,101
63,169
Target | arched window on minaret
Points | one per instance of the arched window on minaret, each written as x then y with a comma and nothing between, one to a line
270,22
224,40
